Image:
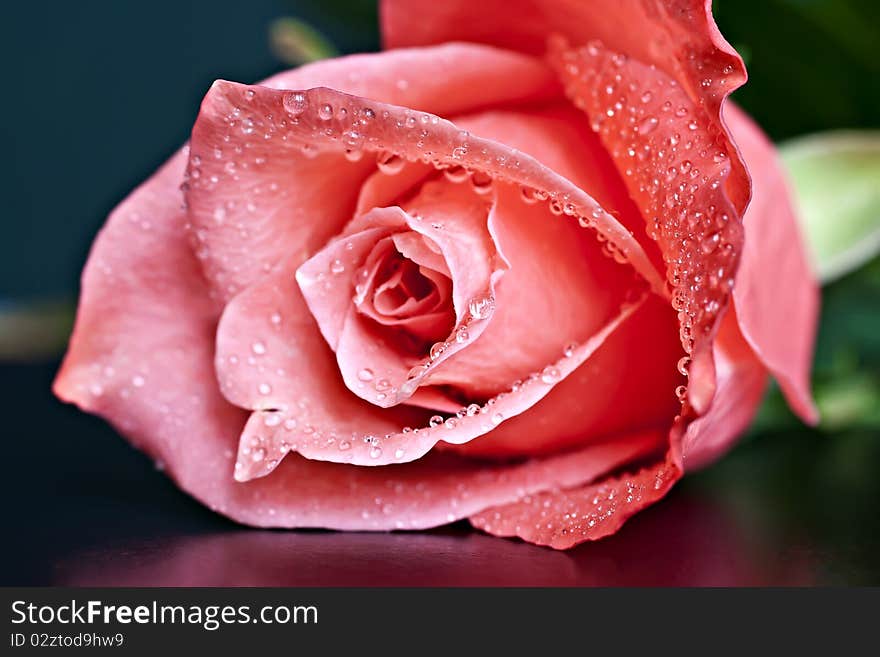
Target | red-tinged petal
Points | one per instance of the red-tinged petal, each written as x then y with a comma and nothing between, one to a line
447,79
776,295
742,379
560,289
573,295
255,198
627,385
396,178
677,163
558,137
677,36
434,399
294,378
564,519
433,491
372,127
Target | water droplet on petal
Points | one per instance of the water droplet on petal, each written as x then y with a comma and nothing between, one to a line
683,363
295,103
456,174
325,112
481,308
481,182
529,194
648,125
550,375
389,163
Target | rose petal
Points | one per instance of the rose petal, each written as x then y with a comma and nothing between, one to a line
557,136
370,126
677,162
391,183
141,351
144,304
677,36
469,254
434,399
742,379
373,127
327,278
562,519
367,127
781,328
255,198
435,490
425,314
415,247
455,219
627,385
295,377
577,292
560,289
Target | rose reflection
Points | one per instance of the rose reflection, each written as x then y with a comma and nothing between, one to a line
686,541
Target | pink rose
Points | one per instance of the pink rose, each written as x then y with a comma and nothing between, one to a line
335,308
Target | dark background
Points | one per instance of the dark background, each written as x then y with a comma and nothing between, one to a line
98,94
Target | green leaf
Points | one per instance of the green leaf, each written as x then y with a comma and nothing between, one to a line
849,402
295,42
34,331
836,177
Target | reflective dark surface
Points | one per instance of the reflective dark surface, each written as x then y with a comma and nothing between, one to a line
83,508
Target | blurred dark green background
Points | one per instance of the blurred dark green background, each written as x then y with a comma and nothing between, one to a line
98,94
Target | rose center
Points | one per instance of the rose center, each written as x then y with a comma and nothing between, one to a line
396,291
402,290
